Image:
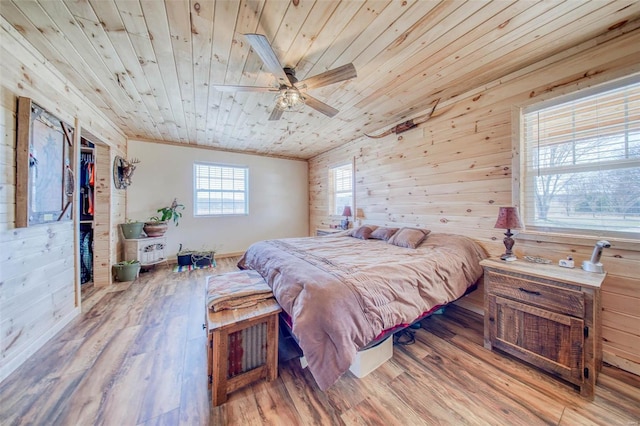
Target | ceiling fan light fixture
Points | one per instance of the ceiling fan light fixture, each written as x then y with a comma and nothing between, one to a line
289,100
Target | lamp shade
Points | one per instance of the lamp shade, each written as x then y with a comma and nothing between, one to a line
346,211
508,218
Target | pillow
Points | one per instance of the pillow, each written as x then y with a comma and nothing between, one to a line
383,233
363,232
409,237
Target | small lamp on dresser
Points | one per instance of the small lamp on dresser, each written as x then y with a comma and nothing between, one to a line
346,213
508,219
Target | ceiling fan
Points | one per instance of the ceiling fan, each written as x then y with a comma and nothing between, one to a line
292,95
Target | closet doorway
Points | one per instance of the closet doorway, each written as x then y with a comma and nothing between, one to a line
94,212
86,204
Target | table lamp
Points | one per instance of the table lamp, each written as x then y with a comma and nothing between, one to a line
508,219
346,213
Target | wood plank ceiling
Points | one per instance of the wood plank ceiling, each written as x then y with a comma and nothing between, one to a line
150,65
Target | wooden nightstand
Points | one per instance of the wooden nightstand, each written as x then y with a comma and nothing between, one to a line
545,315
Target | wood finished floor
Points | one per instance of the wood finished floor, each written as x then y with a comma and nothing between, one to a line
137,356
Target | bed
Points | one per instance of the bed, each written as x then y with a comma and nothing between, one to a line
343,292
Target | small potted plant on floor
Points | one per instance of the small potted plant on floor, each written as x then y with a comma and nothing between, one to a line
156,226
184,256
202,257
131,229
127,270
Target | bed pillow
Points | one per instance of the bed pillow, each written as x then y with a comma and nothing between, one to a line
383,233
363,232
409,237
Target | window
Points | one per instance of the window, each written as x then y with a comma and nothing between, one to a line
581,162
340,188
220,189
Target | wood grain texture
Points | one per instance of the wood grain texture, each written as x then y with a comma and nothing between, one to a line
149,65
454,173
38,278
220,326
137,355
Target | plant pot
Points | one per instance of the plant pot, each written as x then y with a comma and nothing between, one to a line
202,258
184,259
127,272
155,229
196,259
131,231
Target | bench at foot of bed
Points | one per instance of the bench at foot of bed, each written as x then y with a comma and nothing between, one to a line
242,344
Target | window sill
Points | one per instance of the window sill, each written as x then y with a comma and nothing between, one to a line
580,240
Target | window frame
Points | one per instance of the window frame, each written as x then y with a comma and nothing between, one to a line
521,182
244,168
333,192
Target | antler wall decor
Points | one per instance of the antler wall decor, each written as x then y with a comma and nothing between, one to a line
123,171
407,125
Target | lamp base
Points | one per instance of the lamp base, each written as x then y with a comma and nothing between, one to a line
593,267
508,257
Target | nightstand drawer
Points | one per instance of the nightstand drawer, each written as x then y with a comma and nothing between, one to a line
554,298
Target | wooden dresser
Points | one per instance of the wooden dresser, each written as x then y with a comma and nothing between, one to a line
547,316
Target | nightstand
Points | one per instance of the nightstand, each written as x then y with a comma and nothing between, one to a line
547,316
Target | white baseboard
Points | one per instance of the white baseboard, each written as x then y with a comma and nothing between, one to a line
13,364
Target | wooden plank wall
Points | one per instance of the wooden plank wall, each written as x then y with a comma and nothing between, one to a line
37,264
102,217
451,175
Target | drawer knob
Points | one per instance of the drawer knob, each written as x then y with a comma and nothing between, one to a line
524,290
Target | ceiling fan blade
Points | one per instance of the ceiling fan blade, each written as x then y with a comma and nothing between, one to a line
244,89
345,72
319,105
275,114
261,46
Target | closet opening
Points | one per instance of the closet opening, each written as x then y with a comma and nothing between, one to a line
93,213
86,204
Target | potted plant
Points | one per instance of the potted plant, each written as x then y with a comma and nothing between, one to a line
127,270
131,229
184,256
202,257
156,226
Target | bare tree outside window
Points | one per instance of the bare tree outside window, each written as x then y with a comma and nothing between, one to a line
582,163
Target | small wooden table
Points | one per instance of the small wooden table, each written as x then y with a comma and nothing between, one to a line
242,347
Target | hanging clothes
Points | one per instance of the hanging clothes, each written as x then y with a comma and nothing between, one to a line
86,254
87,182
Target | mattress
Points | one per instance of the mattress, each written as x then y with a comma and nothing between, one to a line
343,293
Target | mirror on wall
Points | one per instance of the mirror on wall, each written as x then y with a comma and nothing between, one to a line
44,166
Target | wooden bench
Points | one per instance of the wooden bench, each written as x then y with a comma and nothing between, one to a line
242,347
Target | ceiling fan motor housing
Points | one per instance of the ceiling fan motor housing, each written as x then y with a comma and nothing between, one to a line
291,75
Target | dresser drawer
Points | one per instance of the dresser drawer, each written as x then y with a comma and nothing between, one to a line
554,298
